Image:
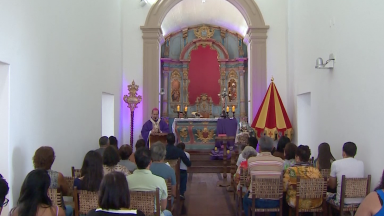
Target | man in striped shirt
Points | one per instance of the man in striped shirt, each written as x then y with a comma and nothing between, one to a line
264,165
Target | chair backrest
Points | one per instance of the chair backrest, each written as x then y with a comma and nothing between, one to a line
326,173
243,177
146,201
76,172
55,196
84,201
169,190
267,188
70,181
307,188
355,187
175,164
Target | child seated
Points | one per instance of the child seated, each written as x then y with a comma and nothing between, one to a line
183,172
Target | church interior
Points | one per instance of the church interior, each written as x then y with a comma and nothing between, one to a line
68,69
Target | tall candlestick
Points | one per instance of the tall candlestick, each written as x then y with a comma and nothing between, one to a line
233,108
185,109
227,108
178,108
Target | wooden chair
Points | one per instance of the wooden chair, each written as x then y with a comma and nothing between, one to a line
84,201
169,190
239,194
266,188
326,173
311,189
70,181
175,164
76,172
146,201
56,197
351,188
233,169
311,160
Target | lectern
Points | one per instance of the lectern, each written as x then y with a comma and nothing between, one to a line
157,137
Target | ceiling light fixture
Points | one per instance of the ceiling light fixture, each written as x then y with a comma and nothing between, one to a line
203,1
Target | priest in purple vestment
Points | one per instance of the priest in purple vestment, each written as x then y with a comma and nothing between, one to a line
154,125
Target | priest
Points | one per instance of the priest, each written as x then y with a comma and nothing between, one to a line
154,125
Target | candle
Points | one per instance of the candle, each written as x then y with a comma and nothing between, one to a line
185,109
227,108
233,108
178,108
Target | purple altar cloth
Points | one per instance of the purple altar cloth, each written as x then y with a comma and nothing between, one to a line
228,127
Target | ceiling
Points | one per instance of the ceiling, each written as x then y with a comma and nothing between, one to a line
195,12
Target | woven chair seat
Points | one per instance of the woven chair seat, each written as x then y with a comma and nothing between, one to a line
347,207
267,210
319,209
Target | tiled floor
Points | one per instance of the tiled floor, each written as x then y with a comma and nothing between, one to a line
205,198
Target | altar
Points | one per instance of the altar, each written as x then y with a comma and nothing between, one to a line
200,133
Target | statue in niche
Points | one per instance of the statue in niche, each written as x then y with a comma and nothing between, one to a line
175,93
232,90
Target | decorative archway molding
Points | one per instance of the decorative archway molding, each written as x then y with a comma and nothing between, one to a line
255,38
186,52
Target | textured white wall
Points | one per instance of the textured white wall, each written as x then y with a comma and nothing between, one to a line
346,103
63,54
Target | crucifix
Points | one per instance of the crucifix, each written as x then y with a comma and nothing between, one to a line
223,95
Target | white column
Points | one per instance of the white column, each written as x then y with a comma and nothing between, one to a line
242,96
257,68
152,38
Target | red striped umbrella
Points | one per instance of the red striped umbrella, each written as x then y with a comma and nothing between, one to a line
272,119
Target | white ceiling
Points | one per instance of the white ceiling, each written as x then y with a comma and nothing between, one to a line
195,12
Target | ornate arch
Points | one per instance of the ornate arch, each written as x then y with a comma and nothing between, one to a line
255,38
222,53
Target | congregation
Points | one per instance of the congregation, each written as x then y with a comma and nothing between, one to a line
108,170
116,172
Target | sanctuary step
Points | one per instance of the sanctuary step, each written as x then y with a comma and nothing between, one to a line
202,163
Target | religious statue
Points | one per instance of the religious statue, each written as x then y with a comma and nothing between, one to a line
154,125
175,93
232,92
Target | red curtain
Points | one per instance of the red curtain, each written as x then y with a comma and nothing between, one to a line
204,74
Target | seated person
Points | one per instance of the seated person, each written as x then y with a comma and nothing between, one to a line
4,189
142,179
258,166
373,203
324,158
159,168
139,144
252,141
183,171
280,147
289,155
111,159
113,141
103,143
33,199
125,152
247,152
303,169
91,172
348,166
114,197
174,153
43,159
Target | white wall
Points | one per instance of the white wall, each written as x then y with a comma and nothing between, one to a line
64,54
346,103
4,123
133,16
107,114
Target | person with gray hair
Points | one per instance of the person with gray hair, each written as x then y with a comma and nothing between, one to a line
159,167
264,165
247,152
